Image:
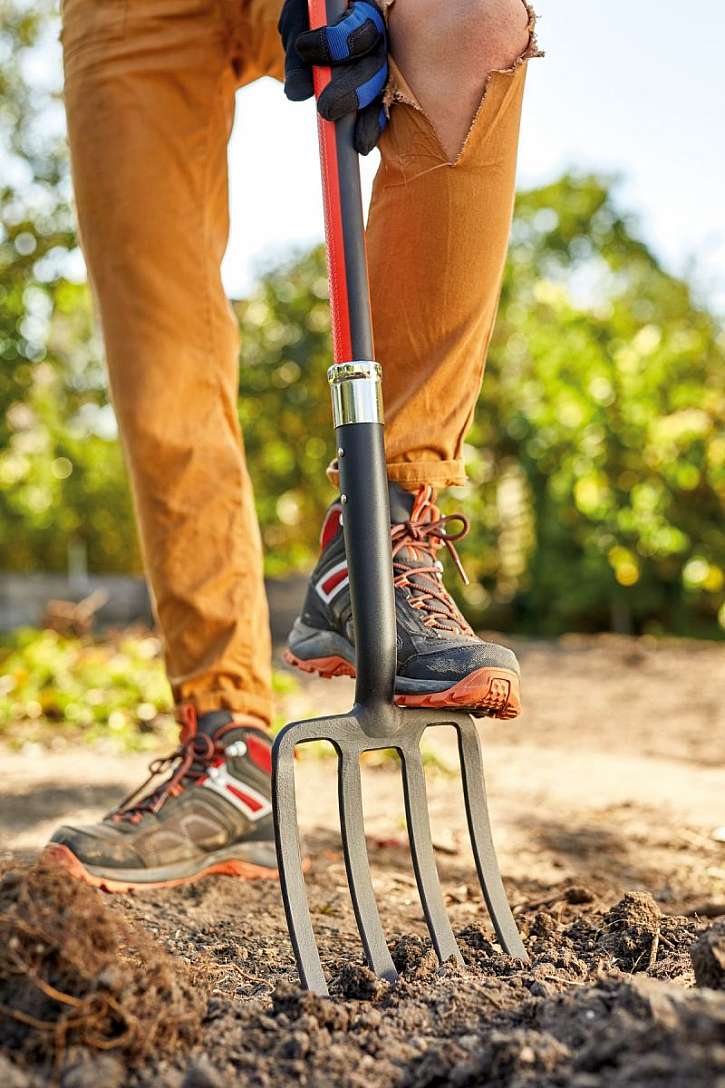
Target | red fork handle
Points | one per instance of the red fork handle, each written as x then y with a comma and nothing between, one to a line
352,337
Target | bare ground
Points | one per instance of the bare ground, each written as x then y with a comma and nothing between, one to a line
608,801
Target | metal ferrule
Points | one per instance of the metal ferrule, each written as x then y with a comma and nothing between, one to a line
357,395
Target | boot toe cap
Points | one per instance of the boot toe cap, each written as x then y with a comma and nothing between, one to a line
454,662
97,845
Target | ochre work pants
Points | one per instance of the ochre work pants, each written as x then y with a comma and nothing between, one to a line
149,91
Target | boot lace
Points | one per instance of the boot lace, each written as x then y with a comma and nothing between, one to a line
192,759
421,537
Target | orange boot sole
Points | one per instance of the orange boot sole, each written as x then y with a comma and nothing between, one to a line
491,692
59,855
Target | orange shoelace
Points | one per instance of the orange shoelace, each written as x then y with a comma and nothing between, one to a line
192,758
419,538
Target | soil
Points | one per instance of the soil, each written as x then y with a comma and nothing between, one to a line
608,801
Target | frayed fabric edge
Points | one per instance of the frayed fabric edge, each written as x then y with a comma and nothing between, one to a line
532,49
398,91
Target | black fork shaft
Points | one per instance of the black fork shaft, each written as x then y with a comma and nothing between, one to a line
357,402
366,525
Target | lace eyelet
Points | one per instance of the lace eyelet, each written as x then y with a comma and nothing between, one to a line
205,750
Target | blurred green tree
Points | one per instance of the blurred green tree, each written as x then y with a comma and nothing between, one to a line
62,485
597,459
284,406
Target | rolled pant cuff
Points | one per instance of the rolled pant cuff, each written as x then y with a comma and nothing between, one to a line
438,474
410,475
241,703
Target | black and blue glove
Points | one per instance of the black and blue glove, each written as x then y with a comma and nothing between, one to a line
356,48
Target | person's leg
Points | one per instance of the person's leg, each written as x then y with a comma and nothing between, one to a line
440,219
149,95
440,214
437,236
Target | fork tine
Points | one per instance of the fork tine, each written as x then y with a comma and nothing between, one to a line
421,849
289,860
357,864
484,852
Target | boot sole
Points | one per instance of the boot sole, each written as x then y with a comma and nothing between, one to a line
59,855
488,692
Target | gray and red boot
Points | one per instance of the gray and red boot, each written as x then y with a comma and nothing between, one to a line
441,662
213,814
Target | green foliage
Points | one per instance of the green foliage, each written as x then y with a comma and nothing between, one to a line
62,484
598,455
114,688
284,406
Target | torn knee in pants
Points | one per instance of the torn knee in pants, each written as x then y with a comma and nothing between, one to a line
400,91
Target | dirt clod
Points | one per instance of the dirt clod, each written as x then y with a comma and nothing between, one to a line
630,931
357,981
576,895
708,958
76,978
655,1036
414,957
639,937
300,1005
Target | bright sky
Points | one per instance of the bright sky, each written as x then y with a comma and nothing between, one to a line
636,89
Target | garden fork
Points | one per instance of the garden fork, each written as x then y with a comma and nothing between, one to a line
374,721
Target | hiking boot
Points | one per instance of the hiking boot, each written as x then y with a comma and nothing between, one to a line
441,662
213,814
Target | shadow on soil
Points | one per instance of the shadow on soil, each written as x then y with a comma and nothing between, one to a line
25,809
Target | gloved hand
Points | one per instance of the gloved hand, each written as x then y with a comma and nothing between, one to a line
356,48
